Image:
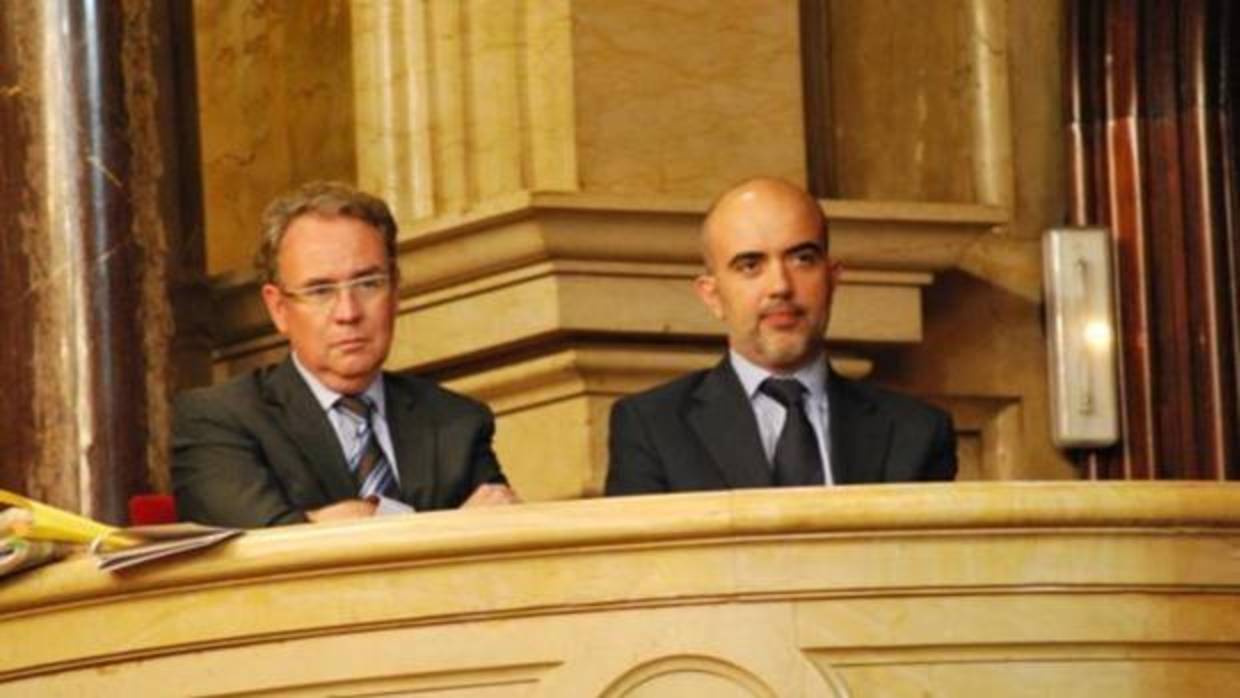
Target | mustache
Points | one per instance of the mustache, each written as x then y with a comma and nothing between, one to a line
781,307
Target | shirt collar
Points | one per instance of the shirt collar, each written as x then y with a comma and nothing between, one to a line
812,375
327,397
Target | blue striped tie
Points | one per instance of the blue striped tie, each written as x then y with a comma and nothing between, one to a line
370,469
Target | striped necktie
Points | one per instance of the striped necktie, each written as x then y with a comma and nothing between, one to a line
370,469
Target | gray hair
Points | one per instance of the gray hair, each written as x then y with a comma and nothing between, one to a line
325,199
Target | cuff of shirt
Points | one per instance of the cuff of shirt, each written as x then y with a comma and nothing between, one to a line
387,507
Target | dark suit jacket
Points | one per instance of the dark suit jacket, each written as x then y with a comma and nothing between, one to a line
259,451
699,433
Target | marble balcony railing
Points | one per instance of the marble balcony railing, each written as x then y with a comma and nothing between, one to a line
995,589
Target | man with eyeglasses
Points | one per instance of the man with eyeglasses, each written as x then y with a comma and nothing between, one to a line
326,434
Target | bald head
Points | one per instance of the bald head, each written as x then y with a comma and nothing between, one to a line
768,275
759,202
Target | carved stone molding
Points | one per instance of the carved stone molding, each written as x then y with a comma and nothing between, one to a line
536,266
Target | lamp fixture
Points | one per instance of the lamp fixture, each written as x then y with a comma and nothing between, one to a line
1081,337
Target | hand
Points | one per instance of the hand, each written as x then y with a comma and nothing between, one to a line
491,495
343,511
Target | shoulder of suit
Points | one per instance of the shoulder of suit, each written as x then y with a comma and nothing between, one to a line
240,399
243,387
430,392
673,391
897,404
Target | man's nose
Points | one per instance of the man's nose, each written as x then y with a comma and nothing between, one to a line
346,306
779,282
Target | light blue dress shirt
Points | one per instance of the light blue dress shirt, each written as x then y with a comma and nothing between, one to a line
347,426
771,415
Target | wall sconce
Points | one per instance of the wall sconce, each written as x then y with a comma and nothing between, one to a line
1081,334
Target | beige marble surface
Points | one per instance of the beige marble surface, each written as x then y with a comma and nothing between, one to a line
922,130
998,589
554,262
275,100
686,98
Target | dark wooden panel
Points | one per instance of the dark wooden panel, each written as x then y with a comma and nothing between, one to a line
1125,185
1228,120
816,87
123,163
1164,180
1209,279
17,426
1171,365
112,276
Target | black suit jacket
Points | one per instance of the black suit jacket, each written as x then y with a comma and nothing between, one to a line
258,450
699,433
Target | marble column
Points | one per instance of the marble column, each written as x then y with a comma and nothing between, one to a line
101,232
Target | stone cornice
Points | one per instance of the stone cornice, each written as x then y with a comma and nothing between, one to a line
537,256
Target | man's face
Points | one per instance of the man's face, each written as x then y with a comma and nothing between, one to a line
343,336
769,278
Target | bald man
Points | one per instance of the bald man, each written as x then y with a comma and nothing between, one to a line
771,413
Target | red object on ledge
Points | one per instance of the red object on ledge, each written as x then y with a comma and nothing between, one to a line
150,509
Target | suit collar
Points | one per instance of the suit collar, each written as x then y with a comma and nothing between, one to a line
723,420
813,375
414,433
307,423
860,433
327,397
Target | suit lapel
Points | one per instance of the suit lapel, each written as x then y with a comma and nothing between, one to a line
414,438
860,434
723,420
305,420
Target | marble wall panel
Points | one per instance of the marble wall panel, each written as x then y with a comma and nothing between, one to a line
391,89
461,103
1035,42
275,97
687,97
904,93
984,339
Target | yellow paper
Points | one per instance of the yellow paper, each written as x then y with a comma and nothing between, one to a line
52,524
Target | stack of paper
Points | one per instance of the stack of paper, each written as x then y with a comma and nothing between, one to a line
18,553
156,542
33,533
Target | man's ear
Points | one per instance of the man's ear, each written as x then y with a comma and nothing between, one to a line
834,269
707,290
275,302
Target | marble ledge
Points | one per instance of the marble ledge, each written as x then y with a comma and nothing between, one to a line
677,521
846,216
657,233
545,303
599,370
841,212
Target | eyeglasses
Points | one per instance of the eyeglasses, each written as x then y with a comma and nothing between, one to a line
322,296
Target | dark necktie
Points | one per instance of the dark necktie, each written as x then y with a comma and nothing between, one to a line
369,467
797,458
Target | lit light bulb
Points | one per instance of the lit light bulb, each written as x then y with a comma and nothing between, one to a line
1097,335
